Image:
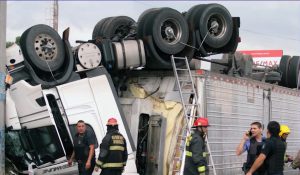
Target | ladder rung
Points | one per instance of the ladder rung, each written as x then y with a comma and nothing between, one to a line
177,158
179,58
191,116
190,104
185,92
184,80
181,69
182,136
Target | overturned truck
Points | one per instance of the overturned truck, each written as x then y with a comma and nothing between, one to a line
125,72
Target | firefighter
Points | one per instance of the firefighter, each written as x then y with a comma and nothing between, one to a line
113,152
252,142
195,162
284,133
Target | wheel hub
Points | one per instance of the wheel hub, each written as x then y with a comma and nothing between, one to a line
171,31
45,47
216,26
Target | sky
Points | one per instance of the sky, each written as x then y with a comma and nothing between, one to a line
265,25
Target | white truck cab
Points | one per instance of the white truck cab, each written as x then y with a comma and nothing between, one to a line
44,121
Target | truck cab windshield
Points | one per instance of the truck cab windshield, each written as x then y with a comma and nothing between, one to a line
42,144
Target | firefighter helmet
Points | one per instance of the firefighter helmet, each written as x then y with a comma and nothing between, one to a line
112,122
284,129
201,122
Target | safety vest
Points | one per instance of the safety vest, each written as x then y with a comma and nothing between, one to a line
253,152
117,152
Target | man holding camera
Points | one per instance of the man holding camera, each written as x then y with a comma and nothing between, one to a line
252,142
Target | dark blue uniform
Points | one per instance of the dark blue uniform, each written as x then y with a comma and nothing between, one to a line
81,148
274,149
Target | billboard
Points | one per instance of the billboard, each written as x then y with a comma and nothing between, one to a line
264,57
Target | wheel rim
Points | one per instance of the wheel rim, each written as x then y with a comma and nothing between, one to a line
170,31
216,26
45,47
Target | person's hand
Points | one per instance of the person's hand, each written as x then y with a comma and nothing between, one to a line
246,135
97,169
70,162
249,173
88,165
289,158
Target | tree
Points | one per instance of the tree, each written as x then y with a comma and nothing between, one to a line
18,40
9,43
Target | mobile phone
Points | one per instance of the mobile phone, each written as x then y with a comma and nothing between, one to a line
249,133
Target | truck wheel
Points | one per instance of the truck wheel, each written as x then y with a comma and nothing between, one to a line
193,15
117,28
143,18
215,15
232,44
98,28
283,67
293,72
43,47
169,31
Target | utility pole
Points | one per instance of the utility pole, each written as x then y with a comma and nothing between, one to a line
2,84
55,15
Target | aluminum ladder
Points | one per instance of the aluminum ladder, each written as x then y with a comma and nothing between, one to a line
190,108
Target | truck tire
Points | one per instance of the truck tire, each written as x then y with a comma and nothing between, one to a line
46,79
293,72
143,18
219,15
167,23
283,67
117,28
193,15
98,28
232,45
42,46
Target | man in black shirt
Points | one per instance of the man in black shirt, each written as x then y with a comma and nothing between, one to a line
272,152
84,150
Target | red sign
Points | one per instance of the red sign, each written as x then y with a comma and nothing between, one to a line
265,57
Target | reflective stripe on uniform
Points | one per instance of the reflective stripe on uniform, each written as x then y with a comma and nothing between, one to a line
112,165
205,154
201,169
188,153
188,140
116,148
99,163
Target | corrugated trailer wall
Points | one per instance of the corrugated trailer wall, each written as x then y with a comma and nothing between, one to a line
231,104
